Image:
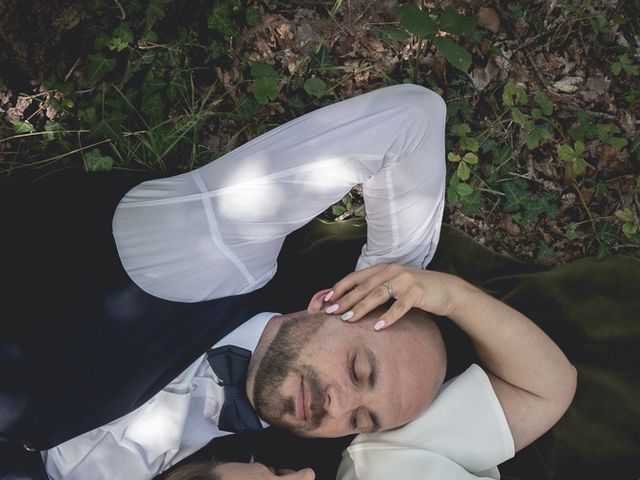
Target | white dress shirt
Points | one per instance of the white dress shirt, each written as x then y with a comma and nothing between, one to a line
174,423
462,435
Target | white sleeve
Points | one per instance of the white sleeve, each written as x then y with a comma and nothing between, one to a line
217,231
464,427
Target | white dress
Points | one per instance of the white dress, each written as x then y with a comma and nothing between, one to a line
217,231
462,435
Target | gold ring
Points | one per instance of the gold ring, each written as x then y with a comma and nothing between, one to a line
387,285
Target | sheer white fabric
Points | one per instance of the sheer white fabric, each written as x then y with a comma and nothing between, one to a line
217,231
462,435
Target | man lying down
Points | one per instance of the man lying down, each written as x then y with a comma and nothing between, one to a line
372,371
345,365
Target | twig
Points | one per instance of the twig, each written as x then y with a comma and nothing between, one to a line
123,15
593,113
149,45
586,209
536,69
66,77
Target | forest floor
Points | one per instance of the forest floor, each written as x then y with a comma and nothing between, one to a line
543,141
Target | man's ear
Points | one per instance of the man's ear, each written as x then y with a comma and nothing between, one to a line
317,302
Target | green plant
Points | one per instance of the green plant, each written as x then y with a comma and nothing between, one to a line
624,63
525,205
630,223
535,125
425,27
348,207
573,156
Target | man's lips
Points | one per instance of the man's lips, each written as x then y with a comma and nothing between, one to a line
303,407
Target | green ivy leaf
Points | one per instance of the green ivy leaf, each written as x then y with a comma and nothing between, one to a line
155,11
452,22
51,128
338,210
454,53
517,194
21,127
121,37
99,66
416,21
545,251
220,18
94,161
315,87
346,201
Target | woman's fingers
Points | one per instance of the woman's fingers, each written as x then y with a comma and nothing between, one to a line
355,287
398,309
372,287
353,280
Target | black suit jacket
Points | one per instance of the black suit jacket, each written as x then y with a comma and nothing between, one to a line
82,345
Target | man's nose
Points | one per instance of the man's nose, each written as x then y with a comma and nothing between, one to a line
340,401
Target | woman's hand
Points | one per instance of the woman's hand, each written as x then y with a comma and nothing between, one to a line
360,292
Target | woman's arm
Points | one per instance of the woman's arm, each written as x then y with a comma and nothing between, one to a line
532,378
217,231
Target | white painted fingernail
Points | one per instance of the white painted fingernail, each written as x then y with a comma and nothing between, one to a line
328,296
379,325
332,308
347,315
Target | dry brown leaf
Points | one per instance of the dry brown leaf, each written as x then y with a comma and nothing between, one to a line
489,18
596,90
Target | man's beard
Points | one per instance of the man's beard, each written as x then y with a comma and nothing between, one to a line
281,360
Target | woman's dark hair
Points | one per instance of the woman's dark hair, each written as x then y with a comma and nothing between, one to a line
193,471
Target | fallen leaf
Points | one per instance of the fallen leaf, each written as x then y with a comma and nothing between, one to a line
568,84
489,19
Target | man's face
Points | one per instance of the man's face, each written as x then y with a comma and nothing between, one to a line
323,377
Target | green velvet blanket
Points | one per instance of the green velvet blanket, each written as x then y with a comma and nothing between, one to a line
591,308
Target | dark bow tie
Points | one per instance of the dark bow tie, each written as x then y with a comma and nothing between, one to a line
230,364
